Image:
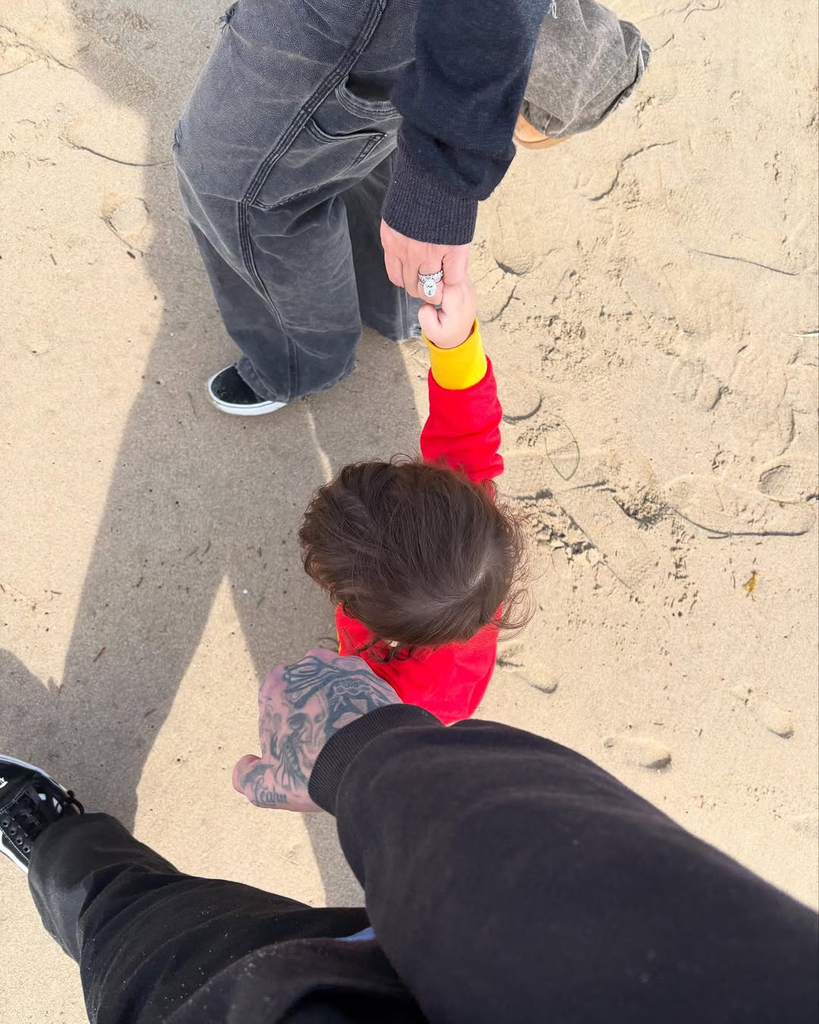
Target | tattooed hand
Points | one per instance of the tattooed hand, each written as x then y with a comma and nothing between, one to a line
300,707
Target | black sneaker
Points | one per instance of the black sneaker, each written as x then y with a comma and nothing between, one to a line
232,395
30,801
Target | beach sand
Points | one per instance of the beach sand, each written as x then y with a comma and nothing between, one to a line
649,298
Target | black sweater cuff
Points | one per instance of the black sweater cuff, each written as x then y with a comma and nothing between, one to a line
341,749
420,207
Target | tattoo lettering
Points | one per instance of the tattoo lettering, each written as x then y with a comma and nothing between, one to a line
259,791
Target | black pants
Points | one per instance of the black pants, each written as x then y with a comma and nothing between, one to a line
509,881
145,935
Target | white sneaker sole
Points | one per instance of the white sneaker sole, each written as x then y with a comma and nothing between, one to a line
260,409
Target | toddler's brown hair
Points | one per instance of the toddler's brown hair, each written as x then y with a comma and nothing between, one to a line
417,552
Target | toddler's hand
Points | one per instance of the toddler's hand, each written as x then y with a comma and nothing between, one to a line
452,323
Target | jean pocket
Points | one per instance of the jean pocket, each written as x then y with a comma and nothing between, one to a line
371,110
344,139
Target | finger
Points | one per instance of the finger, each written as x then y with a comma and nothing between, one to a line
429,320
452,299
257,782
395,269
411,282
456,264
429,268
243,766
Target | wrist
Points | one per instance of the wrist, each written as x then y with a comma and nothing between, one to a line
448,346
441,347
419,206
342,748
461,366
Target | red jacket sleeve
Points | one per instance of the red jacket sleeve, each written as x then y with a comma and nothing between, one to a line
463,428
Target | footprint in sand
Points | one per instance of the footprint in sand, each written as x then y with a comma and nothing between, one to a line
511,658
510,654
607,499
691,382
500,264
544,448
497,291
790,480
774,718
520,397
722,509
542,684
128,218
506,247
639,751
644,291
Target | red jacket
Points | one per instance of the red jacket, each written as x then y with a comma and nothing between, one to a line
463,430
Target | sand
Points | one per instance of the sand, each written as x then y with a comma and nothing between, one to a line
649,298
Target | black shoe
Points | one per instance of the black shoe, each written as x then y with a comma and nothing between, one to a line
232,395
30,801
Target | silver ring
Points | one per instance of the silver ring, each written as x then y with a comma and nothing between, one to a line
430,282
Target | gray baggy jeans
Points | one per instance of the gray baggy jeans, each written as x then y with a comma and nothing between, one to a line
284,157
282,169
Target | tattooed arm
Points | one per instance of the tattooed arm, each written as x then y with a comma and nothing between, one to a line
300,707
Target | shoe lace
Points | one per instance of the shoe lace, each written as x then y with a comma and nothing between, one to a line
29,819
72,801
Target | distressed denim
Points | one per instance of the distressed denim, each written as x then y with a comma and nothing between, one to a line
283,156
586,64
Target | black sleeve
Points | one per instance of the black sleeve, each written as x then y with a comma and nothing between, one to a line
459,100
510,879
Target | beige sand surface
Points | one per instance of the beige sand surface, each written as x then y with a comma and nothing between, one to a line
649,298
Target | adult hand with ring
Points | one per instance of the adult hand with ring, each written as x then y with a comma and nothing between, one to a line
422,268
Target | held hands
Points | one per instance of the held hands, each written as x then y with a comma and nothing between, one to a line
300,707
405,259
452,323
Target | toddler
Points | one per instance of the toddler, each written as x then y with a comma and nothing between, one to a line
424,565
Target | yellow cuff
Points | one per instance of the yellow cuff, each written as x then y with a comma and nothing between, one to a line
457,369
